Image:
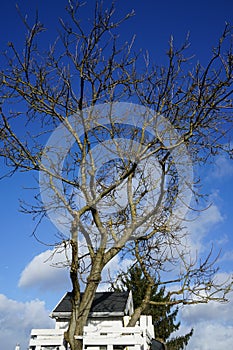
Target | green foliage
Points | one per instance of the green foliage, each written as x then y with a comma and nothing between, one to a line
163,315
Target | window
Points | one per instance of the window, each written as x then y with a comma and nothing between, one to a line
118,347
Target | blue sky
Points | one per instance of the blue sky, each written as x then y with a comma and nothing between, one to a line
29,287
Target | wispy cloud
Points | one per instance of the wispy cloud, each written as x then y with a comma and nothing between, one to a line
201,227
223,168
112,269
227,256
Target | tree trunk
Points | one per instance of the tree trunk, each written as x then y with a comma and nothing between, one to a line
139,310
81,309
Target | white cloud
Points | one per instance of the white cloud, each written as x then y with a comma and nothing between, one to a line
210,313
40,273
212,323
18,318
208,336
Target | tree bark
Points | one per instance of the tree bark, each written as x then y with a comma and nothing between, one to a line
80,310
139,310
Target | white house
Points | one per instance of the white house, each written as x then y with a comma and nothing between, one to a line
105,329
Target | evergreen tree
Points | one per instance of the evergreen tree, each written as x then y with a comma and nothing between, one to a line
163,315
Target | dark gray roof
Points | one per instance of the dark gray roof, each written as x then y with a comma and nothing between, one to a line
104,302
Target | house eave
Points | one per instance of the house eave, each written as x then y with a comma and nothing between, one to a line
61,315
67,315
106,314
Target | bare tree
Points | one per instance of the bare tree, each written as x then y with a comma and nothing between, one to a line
116,176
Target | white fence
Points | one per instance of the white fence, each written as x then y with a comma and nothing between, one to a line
108,337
